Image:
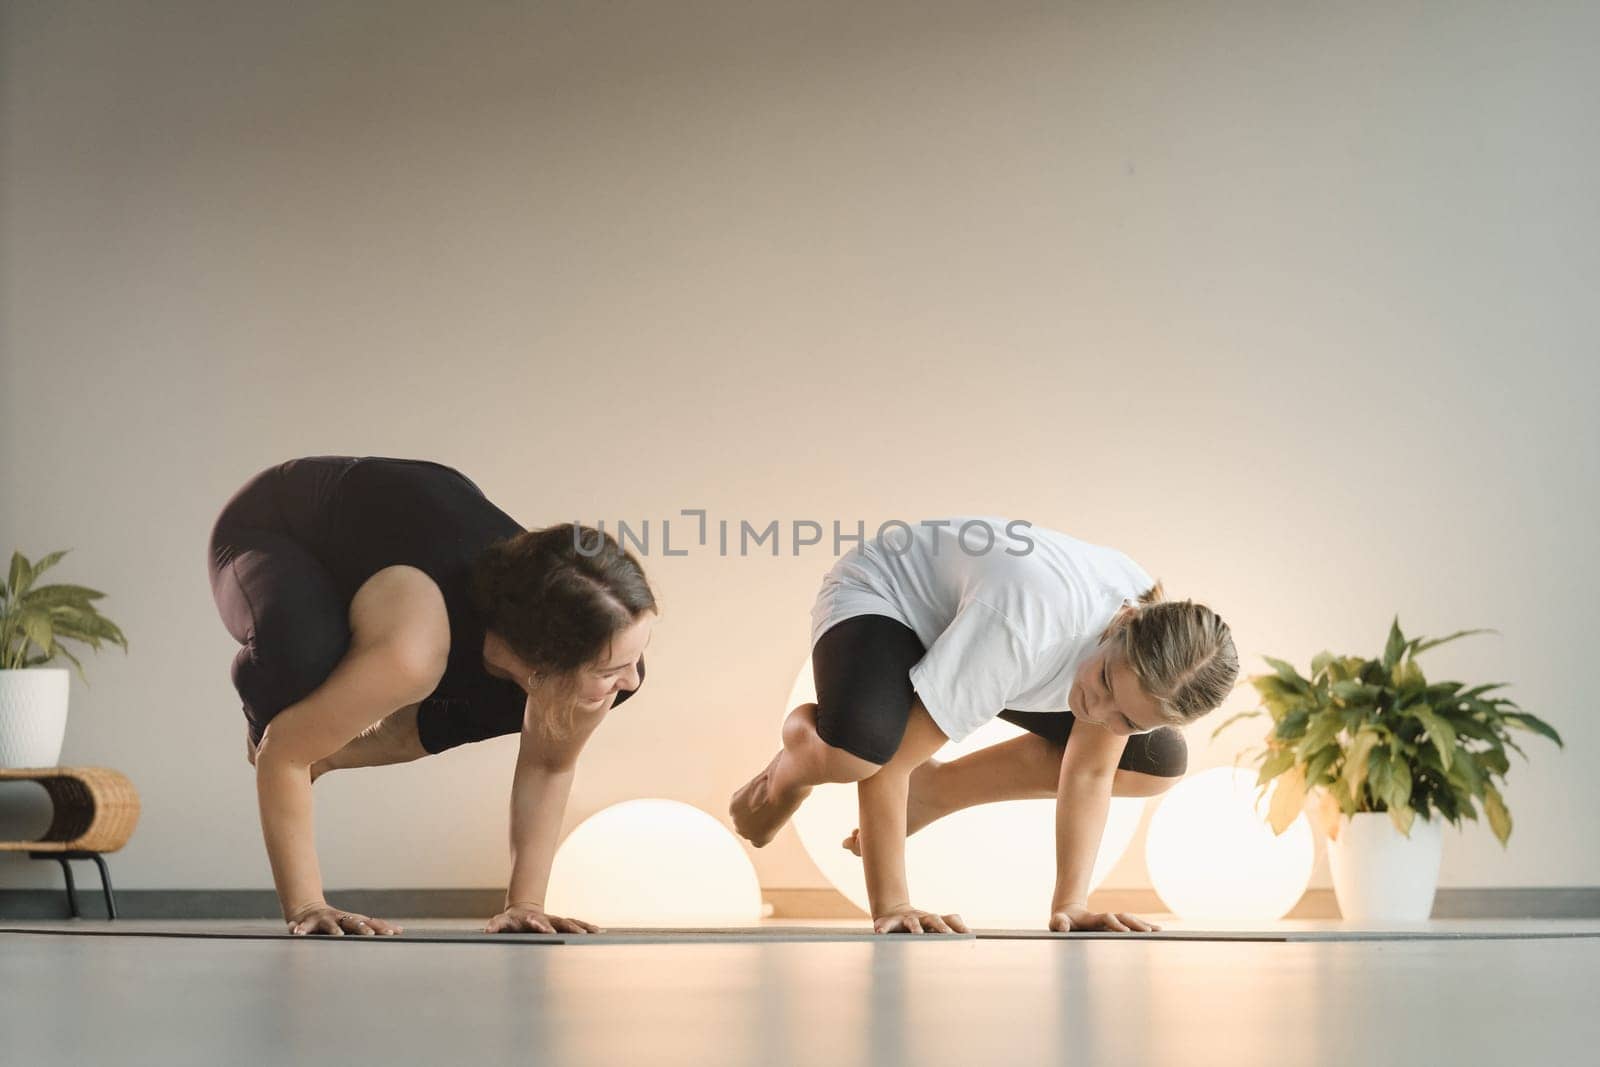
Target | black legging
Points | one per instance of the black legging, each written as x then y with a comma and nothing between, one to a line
864,694
278,601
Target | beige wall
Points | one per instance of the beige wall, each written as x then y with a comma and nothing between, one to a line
1293,303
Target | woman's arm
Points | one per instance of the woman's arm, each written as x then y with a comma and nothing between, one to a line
396,657
365,684
883,841
538,804
1082,802
883,833
1083,799
546,768
392,739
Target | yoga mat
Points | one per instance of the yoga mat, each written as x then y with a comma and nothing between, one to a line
1286,935
420,934
424,934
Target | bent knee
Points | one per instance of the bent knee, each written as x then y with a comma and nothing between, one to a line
1161,753
844,766
832,762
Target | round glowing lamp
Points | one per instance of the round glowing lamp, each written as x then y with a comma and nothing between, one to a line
653,863
994,864
1212,855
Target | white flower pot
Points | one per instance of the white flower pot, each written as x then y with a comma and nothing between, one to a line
33,717
1380,874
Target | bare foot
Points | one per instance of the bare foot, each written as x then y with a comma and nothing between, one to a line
758,815
920,806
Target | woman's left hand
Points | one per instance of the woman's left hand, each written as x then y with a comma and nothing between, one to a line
1083,919
527,919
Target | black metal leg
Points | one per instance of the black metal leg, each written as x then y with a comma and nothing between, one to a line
72,888
105,885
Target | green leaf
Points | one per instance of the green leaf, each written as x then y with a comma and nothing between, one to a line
1276,696
1395,646
52,595
1289,675
1491,761
1420,646
1440,732
1352,691
1322,728
47,562
1465,774
1355,763
1407,675
1230,720
21,575
1399,795
86,622
1318,765
37,629
1537,725
1292,725
1321,662
1402,817
1499,817
1441,694
1378,774
1275,764
1346,669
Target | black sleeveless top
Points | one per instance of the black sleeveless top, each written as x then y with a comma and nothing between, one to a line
359,515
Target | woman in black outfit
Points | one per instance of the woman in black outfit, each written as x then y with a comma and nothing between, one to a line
387,610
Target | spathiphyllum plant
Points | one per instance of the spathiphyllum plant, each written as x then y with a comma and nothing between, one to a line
36,619
1374,735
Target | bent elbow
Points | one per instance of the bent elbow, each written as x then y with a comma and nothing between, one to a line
280,749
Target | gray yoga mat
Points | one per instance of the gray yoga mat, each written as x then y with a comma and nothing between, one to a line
422,934
1286,935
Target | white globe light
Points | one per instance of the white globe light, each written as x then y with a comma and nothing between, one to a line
994,864
1212,855
653,863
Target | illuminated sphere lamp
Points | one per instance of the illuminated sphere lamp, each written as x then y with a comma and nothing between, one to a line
653,862
1212,855
993,864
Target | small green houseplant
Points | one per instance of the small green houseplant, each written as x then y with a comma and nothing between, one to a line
35,621
1374,735
1382,745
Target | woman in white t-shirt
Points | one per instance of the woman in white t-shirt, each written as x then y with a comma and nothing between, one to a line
925,633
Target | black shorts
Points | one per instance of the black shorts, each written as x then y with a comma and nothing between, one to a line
862,668
277,600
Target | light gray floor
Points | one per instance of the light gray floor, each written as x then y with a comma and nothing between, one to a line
886,1002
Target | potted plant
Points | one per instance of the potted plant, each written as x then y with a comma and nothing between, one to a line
34,621
1390,756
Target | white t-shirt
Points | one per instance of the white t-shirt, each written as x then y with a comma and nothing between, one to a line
1005,628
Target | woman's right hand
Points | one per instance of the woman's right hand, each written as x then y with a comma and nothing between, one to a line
322,918
916,921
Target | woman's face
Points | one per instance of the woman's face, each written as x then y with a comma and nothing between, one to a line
1106,692
618,667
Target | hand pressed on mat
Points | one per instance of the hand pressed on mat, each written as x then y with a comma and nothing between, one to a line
1081,918
321,917
532,919
905,918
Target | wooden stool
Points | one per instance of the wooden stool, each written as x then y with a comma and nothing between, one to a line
95,811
